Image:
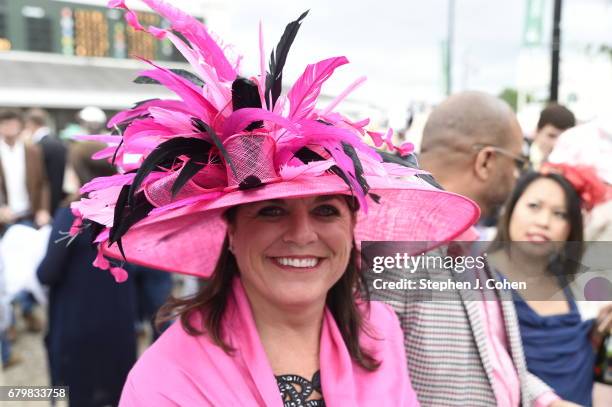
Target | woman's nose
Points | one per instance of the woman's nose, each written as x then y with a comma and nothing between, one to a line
300,229
543,218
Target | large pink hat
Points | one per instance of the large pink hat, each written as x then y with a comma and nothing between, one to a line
230,140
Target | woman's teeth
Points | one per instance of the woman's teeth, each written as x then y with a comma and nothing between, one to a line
293,262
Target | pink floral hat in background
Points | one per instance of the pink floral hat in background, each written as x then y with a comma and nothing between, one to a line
231,139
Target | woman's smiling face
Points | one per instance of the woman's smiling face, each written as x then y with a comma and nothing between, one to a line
290,252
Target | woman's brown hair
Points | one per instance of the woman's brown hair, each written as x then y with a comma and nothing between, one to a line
211,302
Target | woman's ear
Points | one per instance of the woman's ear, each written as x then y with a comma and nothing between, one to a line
231,233
230,240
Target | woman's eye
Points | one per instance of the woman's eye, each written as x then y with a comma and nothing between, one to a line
326,210
533,205
271,211
561,215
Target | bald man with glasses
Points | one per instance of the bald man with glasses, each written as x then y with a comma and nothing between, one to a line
473,145
461,349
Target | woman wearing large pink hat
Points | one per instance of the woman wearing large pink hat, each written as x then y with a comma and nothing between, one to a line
269,198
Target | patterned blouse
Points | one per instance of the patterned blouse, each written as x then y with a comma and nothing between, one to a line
296,390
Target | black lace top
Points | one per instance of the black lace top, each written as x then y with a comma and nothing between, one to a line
295,390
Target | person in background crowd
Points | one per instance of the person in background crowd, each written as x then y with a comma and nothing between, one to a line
591,144
89,120
9,358
91,344
24,191
554,120
153,288
92,119
38,126
544,222
471,145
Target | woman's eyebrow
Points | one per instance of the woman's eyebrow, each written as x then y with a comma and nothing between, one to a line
270,201
324,198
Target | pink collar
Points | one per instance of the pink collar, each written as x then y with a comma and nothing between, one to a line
184,370
343,382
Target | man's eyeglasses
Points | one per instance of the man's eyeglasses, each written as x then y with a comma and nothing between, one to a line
520,161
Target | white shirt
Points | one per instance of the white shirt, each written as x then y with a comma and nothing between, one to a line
14,168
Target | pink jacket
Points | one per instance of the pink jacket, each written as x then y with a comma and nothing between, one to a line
182,370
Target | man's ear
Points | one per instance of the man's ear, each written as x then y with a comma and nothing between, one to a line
483,164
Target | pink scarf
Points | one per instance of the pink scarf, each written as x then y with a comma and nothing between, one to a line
182,370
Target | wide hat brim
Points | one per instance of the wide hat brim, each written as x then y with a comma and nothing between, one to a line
188,240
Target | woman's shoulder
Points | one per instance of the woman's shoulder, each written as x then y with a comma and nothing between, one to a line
171,352
176,350
381,321
380,314
163,369
166,351
184,370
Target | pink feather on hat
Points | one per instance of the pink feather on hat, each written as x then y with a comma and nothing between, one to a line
233,139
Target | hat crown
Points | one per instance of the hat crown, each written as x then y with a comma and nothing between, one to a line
252,160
